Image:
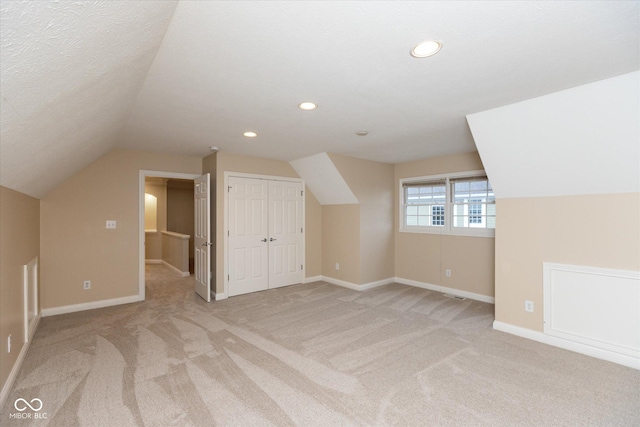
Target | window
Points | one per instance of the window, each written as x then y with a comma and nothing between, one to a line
425,204
450,204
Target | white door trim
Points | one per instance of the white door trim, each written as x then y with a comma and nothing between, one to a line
143,174
227,175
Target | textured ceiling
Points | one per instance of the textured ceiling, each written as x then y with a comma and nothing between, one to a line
70,74
81,77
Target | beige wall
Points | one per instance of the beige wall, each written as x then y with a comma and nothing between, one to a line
180,205
341,242
313,235
372,184
19,244
175,250
75,245
425,257
153,241
591,230
222,162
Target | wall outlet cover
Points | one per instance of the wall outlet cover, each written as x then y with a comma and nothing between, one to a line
528,306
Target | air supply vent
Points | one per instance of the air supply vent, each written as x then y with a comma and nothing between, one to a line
454,297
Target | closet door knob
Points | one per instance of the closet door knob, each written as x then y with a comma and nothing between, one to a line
272,239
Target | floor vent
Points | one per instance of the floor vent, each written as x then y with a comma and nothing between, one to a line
454,297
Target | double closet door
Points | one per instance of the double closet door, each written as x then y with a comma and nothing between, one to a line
266,234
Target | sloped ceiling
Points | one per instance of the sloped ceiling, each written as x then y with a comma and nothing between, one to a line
80,77
70,74
583,140
324,180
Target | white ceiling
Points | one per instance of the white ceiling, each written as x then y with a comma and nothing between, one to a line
80,77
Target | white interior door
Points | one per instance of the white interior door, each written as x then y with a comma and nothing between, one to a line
266,235
202,238
248,235
285,233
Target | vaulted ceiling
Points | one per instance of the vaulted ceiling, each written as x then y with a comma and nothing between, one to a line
81,77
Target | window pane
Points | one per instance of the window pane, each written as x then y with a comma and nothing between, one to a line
439,190
419,201
479,186
461,187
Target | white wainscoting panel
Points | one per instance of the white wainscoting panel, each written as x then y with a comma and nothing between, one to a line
593,306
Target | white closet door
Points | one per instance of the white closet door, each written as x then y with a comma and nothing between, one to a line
248,235
286,236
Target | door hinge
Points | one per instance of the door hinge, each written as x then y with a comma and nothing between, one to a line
228,278
301,230
302,193
228,189
227,233
301,267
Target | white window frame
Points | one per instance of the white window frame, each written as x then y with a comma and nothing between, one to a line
448,227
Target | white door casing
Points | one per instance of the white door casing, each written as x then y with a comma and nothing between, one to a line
202,236
265,237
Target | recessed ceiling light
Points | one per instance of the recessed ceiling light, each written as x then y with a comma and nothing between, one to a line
250,134
307,106
362,133
426,48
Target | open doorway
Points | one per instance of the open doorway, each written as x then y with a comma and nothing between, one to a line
166,221
169,223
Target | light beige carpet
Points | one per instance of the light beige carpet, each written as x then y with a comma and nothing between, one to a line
313,354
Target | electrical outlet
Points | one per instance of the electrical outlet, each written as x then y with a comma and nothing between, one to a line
9,344
528,306
87,284
111,224
447,273
337,266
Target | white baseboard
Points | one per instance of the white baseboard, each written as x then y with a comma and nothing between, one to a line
153,261
11,379
89,305
383,282
621,359
176,269
355,287
220,296
423,285
445,290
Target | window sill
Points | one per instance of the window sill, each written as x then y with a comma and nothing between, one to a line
489,233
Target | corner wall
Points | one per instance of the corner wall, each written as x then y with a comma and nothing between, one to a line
76,246
372,184
423,257
565,169
19,244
